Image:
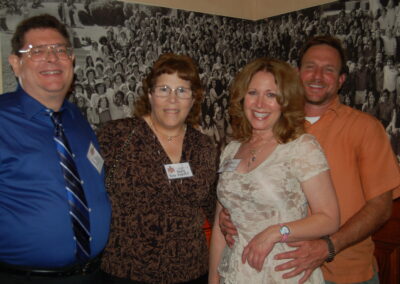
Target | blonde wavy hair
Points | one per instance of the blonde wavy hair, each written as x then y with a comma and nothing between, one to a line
290,97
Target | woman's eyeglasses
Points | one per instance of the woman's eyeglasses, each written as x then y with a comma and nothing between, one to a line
165,91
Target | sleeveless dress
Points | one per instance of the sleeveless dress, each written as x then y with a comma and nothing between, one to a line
269,194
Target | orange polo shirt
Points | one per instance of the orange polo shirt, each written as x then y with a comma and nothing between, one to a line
363,166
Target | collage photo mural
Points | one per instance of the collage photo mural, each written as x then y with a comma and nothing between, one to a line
116,42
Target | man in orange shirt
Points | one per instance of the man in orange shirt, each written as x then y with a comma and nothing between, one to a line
363,167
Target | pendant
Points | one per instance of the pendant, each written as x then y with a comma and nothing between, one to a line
252,159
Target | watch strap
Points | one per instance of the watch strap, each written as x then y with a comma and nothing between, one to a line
331,249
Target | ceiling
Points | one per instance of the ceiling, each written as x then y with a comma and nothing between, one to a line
244,9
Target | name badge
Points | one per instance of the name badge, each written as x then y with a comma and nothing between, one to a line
95,158
229,165
181,170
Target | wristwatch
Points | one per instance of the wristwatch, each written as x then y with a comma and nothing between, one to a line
331,248
285,231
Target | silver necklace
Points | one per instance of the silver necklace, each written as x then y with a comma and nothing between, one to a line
170,138
255,151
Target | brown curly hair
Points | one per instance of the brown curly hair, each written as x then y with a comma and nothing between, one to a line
290,125
186,70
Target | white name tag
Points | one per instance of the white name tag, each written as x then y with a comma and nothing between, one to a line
229,165
95,158
181,170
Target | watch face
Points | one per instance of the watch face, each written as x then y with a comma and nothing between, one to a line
284,230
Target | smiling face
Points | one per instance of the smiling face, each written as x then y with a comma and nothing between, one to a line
47,81
170,112
207,119
371,98
319,71
103,102
260,105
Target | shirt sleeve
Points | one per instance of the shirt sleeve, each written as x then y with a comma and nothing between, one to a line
378,166
227,152
309,159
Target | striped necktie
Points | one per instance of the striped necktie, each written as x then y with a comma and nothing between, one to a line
79,211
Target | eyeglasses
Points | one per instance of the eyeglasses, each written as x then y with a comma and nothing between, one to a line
40,52
165,91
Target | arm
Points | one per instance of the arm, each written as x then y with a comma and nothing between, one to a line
226,226
312,254
323,220
216,133
209,158
216,248
219,96
364,106
390,128
372,216
378,171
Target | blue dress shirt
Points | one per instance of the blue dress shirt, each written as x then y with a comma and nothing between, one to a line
35,227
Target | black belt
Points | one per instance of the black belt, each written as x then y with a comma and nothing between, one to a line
75,269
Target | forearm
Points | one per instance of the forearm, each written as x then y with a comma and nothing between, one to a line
312,227
209,206
216,248
365,222
324,218
216,133
209,203
308,228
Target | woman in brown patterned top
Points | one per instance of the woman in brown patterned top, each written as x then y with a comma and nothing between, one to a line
161,175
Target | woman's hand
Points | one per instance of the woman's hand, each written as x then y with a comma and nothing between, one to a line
260,246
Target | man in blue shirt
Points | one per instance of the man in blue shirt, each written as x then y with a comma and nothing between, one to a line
38,243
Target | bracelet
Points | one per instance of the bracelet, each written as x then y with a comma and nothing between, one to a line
331,248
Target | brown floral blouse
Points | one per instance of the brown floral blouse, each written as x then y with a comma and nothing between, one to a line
156,232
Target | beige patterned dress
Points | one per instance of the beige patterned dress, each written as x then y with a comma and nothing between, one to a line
268,195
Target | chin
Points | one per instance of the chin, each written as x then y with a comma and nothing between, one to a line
173,124
315,100
258,127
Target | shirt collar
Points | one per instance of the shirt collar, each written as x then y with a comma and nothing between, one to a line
333,106
31,107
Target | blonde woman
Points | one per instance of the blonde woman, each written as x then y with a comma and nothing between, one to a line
271,173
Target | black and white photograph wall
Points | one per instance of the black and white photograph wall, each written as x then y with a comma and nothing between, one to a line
116,42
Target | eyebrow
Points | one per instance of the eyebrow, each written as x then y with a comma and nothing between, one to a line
325,65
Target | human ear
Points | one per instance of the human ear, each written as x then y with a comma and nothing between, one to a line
342,78
15,62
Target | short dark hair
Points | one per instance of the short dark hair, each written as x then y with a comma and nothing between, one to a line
44,21
98,85
327,40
